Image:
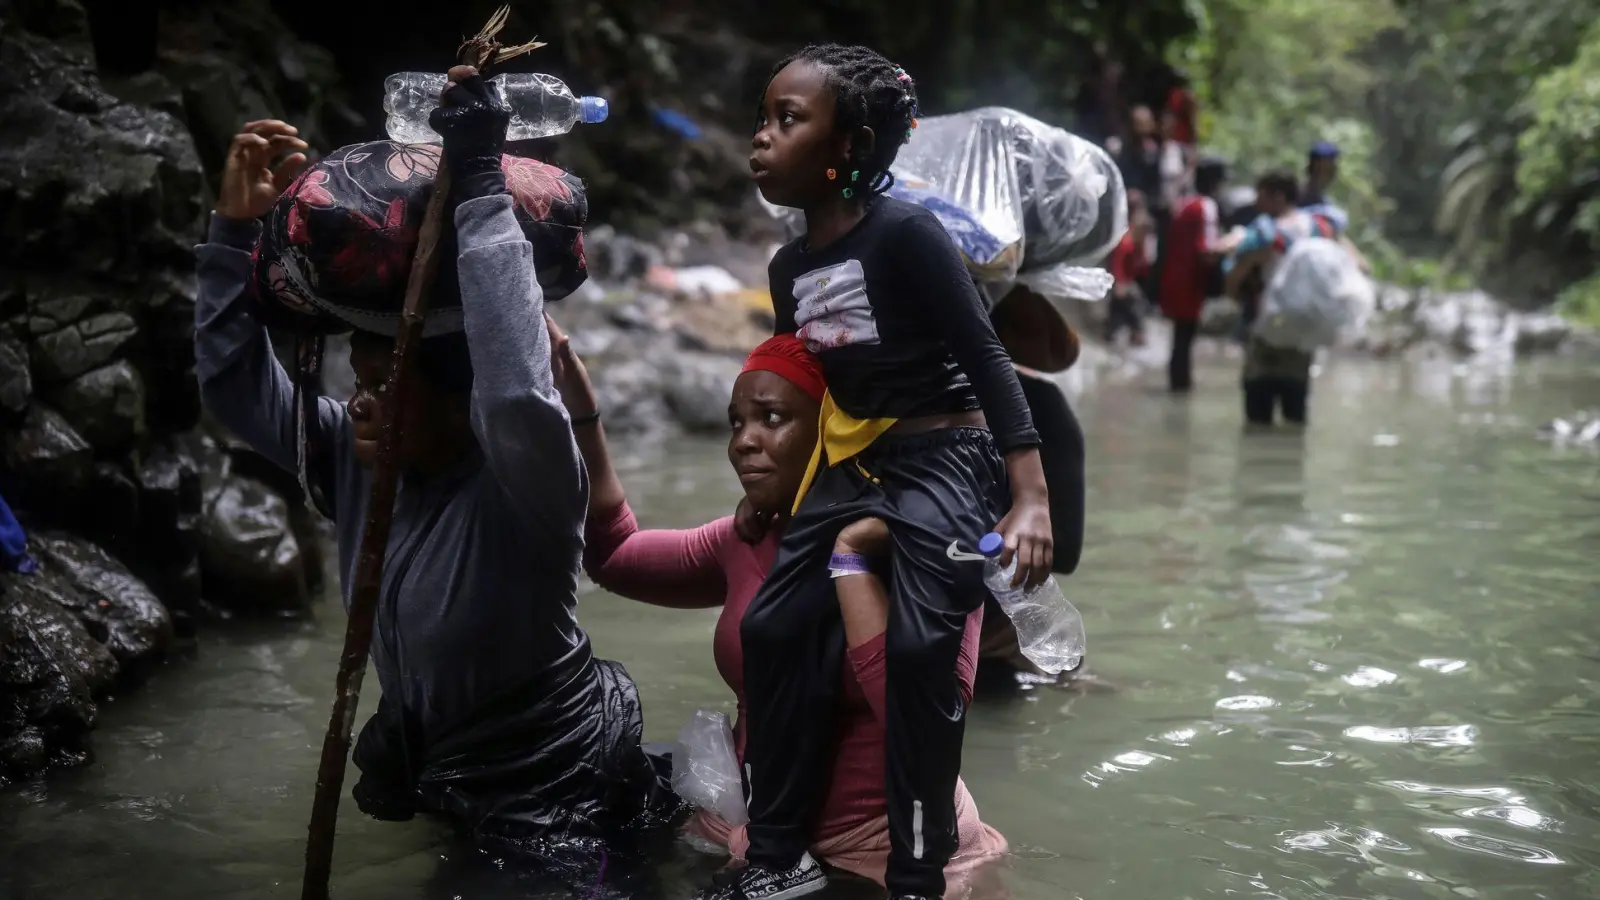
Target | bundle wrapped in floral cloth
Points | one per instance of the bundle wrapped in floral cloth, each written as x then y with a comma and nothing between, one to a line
336,251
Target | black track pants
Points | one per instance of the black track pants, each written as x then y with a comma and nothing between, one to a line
938,491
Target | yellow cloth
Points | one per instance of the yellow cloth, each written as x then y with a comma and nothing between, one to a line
840,436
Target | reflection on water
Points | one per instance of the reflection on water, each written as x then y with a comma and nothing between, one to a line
1356,662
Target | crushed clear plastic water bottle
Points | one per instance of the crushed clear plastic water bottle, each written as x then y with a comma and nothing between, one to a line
541,105
1049,628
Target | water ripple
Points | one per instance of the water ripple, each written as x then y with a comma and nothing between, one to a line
1353,843
1502,794
1246,702
1426,735
1497,847
1320,759
1122,763
1520,816
1370,676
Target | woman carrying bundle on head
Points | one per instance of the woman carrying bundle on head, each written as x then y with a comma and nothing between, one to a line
916,378
495,713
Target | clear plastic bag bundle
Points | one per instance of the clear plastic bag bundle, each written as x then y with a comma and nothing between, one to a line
705,768
1059,194
1023,201
1316,291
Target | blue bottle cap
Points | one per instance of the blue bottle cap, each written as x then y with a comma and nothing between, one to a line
594,109
991,544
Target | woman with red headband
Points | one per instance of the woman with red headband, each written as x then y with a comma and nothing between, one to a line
773,415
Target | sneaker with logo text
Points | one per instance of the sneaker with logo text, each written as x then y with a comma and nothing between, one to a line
754,882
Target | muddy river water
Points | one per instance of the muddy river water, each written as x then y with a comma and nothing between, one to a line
1358,662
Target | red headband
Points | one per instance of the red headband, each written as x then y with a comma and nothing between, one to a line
786,356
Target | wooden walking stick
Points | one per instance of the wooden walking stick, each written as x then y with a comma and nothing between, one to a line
480,51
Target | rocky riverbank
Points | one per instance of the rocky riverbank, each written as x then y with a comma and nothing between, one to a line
143,518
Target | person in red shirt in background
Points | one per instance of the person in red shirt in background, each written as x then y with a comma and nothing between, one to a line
1129,264
1181,105
1193,246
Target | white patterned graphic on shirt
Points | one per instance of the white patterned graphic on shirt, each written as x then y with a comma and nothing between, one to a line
832,308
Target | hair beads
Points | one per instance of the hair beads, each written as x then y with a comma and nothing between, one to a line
870,92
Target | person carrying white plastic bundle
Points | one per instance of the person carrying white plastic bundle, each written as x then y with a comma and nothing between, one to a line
1313,288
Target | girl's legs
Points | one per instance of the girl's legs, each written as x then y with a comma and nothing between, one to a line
909,677
794,651
949,490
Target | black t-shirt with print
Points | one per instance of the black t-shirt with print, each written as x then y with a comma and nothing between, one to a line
892,314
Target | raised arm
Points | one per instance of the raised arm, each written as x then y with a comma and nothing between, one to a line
241,382
517,415
681,569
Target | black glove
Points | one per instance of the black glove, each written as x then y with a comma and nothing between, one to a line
472,118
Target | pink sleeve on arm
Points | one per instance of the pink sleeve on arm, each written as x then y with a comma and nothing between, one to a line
967,662
676,568
870,665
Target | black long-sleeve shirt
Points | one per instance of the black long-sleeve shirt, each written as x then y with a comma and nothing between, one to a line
897,323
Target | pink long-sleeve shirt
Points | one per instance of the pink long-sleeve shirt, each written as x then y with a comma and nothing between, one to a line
708,566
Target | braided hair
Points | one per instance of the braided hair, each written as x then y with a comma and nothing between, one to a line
870,92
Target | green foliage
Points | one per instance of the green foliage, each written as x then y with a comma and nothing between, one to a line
1470,128
1559,170
1282,74
1471,71
1580,302
1391,266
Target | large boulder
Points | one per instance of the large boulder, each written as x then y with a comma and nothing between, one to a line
250,556
48,662
45,602
106,406
117,609
250,544
647,376
78,347
1541,332
67,634
91,184
170,510
48,460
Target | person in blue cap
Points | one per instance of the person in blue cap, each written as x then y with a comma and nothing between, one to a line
1322,169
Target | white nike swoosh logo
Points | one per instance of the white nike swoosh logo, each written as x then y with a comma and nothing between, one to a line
955,552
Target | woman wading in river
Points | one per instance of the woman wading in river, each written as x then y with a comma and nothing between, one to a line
495,713
773,416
